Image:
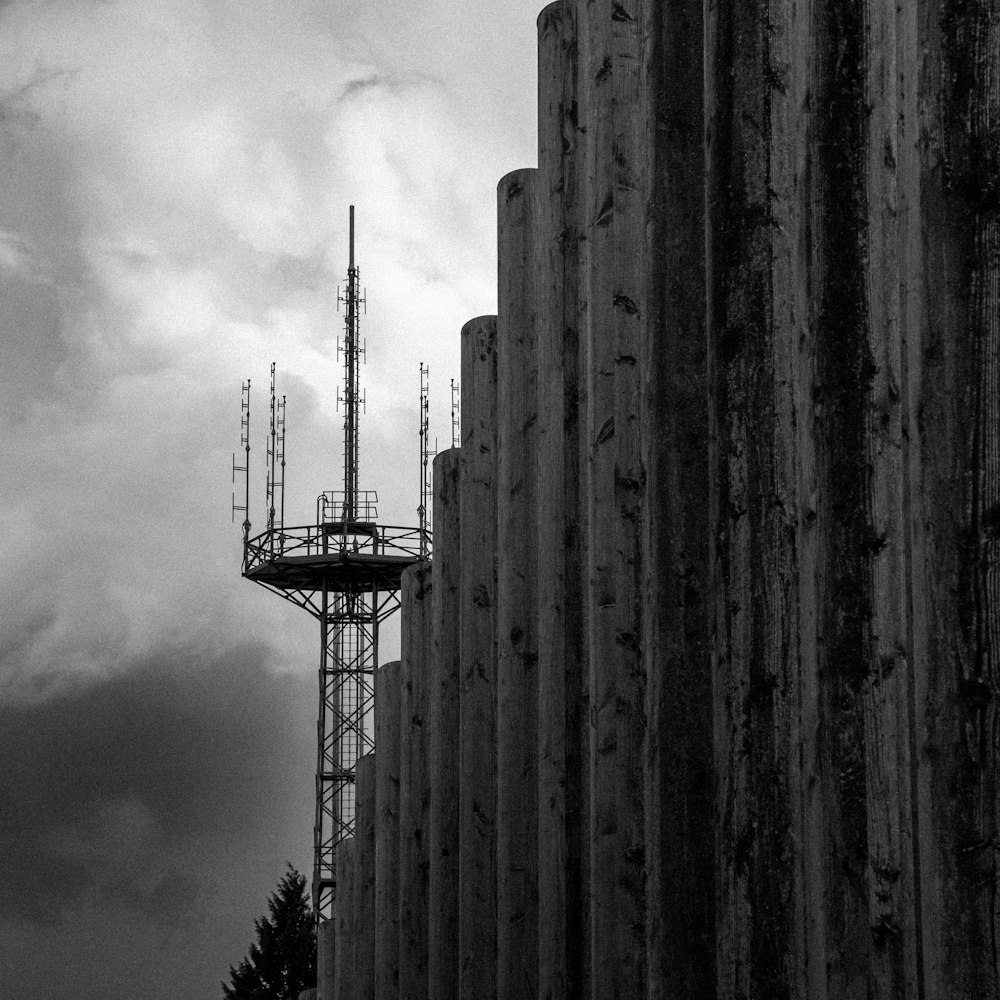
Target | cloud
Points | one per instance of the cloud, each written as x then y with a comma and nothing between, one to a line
14,254
159,240
173,218
118,783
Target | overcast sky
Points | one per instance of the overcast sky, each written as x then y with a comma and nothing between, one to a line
176,176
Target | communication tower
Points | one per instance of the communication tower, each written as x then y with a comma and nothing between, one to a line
456,419
424,512
345,570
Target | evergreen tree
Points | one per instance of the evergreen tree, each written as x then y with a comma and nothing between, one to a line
282,961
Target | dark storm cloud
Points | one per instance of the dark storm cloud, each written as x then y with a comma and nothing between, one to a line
104,786
172,220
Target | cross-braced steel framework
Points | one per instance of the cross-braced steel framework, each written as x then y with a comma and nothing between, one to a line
347,576
345,570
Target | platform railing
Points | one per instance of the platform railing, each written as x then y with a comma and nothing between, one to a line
332,538
332,505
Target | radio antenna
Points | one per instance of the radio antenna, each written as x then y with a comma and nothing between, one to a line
281,459
245,467
456,428
354,352
276,461
424,510
346,571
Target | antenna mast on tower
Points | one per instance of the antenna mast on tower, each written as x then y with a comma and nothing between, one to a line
424,510
345,569
352,398
245,467
276,461
456,429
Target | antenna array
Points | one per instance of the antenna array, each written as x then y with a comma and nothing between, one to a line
346,571
245,468
424,510
276,462
456,428
352,397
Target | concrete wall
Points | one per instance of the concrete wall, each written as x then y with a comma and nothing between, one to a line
704,701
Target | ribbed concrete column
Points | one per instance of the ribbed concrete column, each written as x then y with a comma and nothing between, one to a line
326,958
772,778
563,691
445,753
676,644
364,835
344,921
477,695
387,725
853,337
414,775
615,220
928,425
517,589
872,383
353,918
949,218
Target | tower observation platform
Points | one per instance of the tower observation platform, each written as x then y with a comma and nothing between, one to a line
345,569
337,557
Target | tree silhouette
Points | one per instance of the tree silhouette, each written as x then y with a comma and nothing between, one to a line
282,961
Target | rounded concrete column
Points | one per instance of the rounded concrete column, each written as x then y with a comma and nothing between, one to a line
517,590
477,930
414,792
445,752
387,706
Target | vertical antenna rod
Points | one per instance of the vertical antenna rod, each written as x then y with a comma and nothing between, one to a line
425,451
352,377
281,456
352,582
456,431
272,452
245,467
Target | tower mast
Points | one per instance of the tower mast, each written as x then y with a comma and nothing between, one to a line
352,381
345,570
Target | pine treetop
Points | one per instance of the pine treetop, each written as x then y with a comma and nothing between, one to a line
282,961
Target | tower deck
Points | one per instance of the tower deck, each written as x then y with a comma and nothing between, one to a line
344,557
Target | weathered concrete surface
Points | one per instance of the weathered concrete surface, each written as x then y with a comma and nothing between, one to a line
611,49
779,789
477,695
812,454
326,959
948,200
445,720
853,159
563,689
676,649
387,725
517,569
345,921
414,780
364,836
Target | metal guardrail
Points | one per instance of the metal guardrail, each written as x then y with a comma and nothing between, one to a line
332,505
333,539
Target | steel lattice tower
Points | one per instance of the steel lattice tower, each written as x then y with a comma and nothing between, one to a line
345,570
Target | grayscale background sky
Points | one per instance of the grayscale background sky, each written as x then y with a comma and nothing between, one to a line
175,178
